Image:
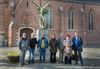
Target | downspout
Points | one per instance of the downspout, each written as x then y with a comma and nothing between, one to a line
11,24
13,9
10,33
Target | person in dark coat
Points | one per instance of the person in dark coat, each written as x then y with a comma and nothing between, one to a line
77,47
53,48
32,45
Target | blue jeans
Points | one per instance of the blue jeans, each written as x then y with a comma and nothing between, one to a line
42,55
78,55
31,55
22,57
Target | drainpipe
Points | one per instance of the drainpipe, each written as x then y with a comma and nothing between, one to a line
10,33
12,9
11,23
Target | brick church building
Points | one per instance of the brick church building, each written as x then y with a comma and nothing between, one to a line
64,16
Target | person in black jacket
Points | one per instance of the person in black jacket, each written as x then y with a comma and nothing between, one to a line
32,46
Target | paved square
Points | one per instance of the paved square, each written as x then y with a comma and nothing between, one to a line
91,57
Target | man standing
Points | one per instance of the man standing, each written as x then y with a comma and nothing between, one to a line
61,48
23,47
32,45
77,46
42,44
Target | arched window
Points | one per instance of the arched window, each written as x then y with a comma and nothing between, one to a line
49,19
71,18
91,20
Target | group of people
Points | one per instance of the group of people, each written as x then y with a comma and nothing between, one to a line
64,45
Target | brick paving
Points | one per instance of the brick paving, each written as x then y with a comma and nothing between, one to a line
91,58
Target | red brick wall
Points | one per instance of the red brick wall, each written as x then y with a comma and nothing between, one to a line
88,37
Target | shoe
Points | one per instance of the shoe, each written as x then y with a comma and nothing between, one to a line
28,62
81,64
32,62
40,61
76,63
44,62
20,65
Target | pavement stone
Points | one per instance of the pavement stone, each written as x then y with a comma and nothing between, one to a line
91,57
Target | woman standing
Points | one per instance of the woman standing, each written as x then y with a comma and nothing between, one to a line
53,48
68,49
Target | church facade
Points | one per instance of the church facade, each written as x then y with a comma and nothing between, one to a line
67,17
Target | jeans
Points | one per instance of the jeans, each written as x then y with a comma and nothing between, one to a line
61,54
31,55
22,57
78,55
42,55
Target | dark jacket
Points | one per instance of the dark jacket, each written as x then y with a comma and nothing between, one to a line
32,42
53,45
78,42
23,44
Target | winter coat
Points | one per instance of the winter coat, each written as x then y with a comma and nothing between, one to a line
77,42
53,45
68,47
